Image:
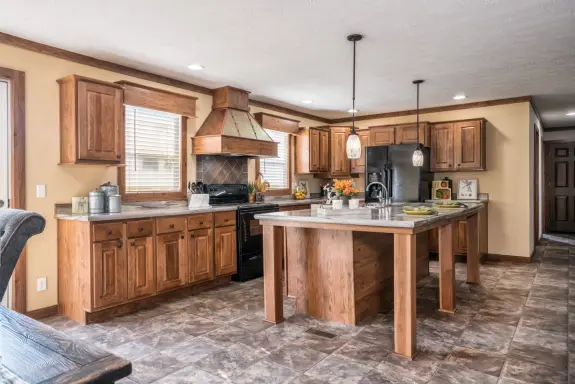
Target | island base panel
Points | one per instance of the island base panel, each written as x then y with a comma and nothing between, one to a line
473,250
447,267
404,295
273,257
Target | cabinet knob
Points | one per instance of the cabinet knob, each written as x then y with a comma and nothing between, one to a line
201,223
140,229
133,243
226,220
171,225
181,237
119,156
119,245
109,233
192,235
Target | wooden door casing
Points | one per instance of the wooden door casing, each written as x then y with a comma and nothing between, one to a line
201,255
100,122
382,135
323,151
358,165
467,143
108,273
225,250
141,267
340,164
442,136
171,261
560,186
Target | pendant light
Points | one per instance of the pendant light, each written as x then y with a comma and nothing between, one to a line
417,157
353,145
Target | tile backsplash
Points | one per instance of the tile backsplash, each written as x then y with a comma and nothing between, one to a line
222,169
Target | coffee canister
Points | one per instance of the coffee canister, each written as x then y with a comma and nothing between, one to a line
109,189
96,201
114,203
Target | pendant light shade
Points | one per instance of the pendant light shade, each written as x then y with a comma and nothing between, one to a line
353,144
417,157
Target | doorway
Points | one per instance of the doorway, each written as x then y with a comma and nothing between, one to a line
560,186
5,158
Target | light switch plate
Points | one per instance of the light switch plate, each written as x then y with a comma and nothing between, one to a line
41,190
41,284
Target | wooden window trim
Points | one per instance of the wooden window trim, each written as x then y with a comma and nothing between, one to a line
17,173
155,196
283,191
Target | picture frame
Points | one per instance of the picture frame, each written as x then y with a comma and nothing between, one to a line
467,189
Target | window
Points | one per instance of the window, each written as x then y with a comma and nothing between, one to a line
153,151
276,170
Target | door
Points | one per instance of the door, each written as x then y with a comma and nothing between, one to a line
109,273
141,274
314,150
340,164
201,255
382,135
358,165
441,147
225,254
171,266
100,122
560,186
467,145
323,151
407,134
4,160
461,237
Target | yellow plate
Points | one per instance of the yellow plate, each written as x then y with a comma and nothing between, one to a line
420,213
449,206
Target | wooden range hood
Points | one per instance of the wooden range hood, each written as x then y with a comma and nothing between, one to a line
230,129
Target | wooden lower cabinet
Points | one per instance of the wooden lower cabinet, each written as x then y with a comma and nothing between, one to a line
461,242
225,250
108,273
141,263
201,255
171,261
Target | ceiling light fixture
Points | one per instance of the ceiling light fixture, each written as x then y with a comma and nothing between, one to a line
353,144
417,158
353,111
195,67
572,113
459,97
307,101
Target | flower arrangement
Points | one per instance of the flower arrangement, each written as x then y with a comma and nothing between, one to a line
344,188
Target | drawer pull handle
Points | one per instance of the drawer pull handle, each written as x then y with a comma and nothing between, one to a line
140,229
171,225
181,237
119,244
133,243
109,233
226,220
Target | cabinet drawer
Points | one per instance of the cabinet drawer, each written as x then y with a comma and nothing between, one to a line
108,231
225,218
170,224
139,228
200,221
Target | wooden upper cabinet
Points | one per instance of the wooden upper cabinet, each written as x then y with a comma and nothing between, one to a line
312,151
201,255
382,135
469,145
141,267
323,151
225,250
441,147
108,273
171,261
91,121
407,134
339,163
358,165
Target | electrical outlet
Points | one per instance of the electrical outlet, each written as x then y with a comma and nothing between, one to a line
41,284
41,190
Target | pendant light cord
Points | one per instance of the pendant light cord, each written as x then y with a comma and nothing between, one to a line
353,100
417,118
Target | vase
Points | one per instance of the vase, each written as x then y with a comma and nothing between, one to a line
251,198
345,200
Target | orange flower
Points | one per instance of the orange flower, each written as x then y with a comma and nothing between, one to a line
344,187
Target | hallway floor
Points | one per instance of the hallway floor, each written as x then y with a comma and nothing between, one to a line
518,326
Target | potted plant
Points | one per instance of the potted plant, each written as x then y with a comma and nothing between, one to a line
345,190
252,192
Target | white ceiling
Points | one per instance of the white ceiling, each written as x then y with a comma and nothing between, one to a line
286,51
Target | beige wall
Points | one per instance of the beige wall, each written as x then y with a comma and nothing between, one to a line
507,179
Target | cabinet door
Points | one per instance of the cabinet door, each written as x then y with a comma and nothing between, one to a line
109,273
434,240
340,164
201,255
314,150
225,254
407,134
461,240
442,147
171,260
141,274
323,151
468,146
382,135
358,165
100,122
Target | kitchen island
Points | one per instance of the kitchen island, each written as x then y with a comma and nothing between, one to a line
341,263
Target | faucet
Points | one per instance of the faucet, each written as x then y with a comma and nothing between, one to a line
383,201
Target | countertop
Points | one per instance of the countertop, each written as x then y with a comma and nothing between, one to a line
173,208
379,217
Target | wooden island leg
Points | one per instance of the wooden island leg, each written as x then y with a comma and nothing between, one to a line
404,295
473,250
273,256
447,268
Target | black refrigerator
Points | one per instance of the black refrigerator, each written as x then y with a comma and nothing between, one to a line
392,166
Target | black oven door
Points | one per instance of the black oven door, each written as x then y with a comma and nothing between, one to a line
250,232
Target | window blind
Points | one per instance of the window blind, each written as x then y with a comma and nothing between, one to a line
275,169
153,150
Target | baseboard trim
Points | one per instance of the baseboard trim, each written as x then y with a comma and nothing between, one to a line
510,258
42,313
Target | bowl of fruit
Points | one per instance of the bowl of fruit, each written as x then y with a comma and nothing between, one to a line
299,192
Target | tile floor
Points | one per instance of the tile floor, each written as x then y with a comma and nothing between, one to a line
518,326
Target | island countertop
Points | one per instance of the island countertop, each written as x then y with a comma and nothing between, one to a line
375,217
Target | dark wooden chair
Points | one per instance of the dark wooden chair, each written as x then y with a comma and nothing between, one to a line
33,352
